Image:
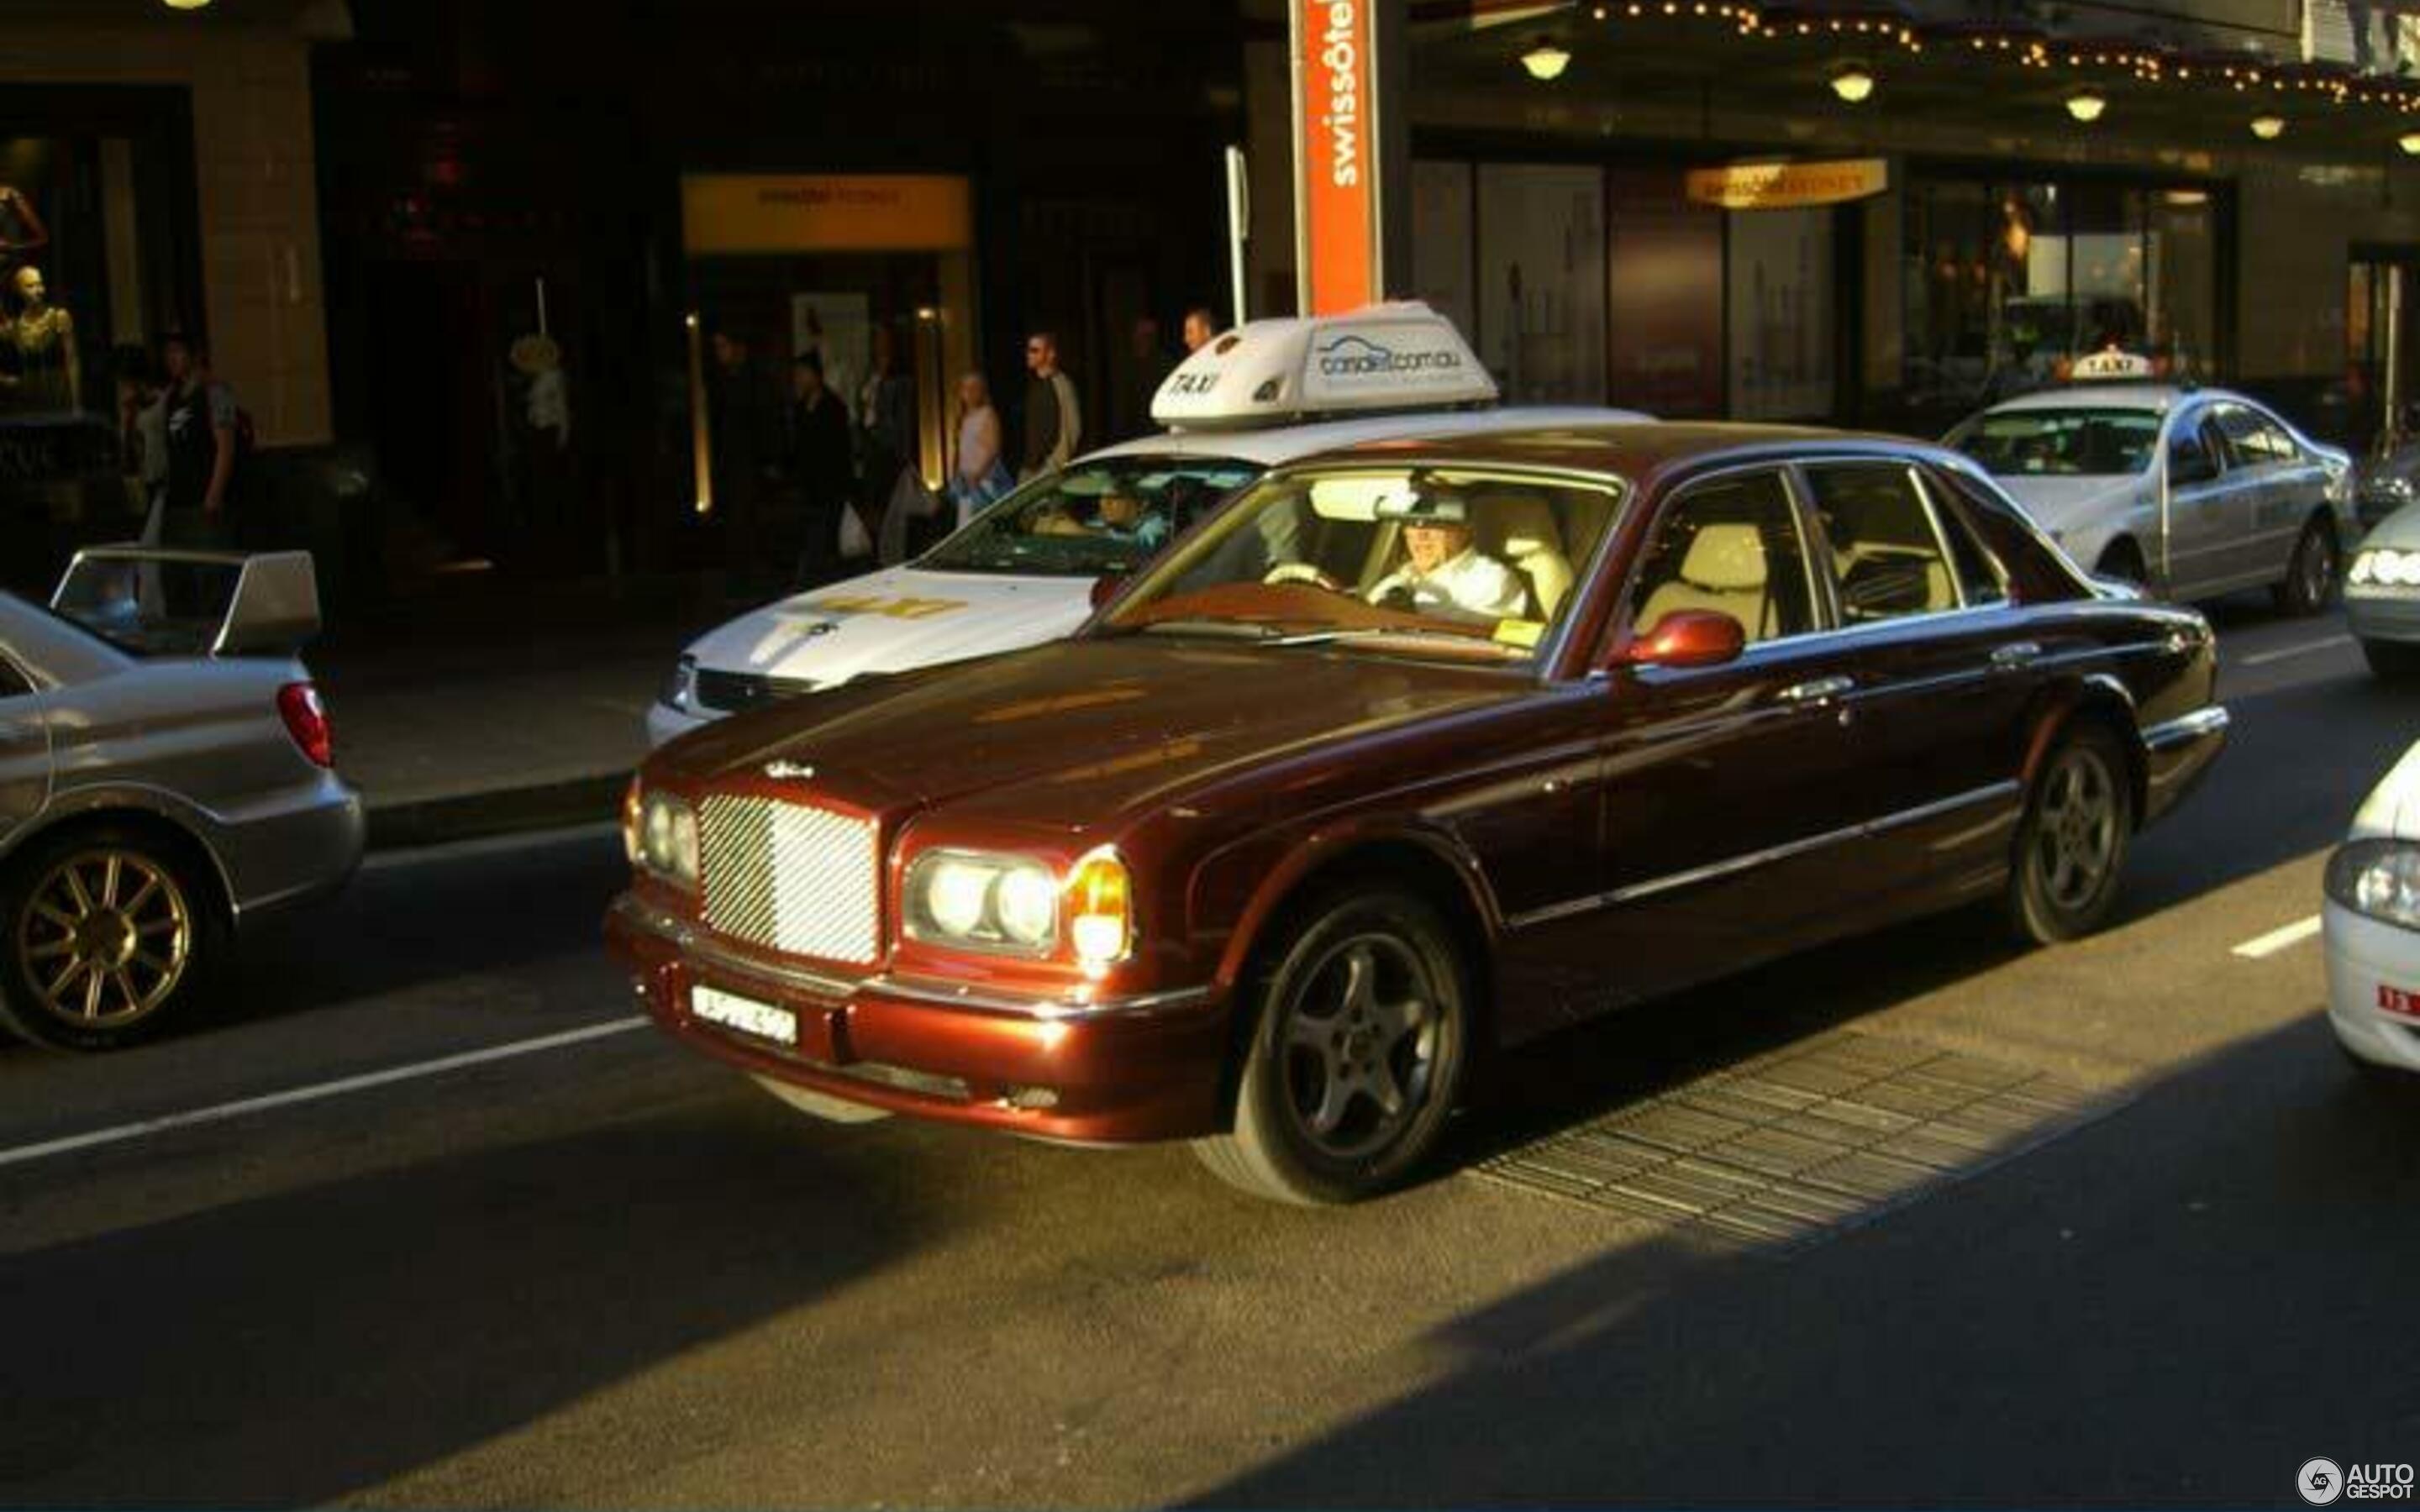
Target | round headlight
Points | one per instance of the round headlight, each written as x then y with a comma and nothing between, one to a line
659,837
954,896
1029,905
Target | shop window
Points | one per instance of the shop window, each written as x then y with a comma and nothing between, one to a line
98,259
1542,282
2008,282
1782,315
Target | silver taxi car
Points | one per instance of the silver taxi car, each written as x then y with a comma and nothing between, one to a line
165,774
2191,492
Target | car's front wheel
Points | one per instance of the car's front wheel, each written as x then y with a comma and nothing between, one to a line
2310,584
2071,842
2392,661
1362,1032
109,935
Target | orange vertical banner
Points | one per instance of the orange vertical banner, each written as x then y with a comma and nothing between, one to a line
1335,154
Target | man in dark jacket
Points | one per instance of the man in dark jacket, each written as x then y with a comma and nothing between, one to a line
1054,421
820,461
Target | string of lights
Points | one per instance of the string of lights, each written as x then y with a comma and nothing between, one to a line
2093,63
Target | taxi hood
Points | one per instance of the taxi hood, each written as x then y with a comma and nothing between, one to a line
893,621
1072,734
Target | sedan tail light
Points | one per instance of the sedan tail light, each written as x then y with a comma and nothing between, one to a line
306,720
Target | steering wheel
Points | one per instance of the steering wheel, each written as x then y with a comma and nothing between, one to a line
1303,572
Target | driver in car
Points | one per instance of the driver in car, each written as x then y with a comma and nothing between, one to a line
1444,575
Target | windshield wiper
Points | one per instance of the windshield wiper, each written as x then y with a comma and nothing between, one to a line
1369,632
1230,629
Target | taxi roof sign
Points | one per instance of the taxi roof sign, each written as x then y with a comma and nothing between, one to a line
1381,357
2112,364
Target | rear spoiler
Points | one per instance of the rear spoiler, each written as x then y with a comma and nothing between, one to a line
155,601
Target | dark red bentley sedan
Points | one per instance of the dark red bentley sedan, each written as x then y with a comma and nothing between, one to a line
1411,747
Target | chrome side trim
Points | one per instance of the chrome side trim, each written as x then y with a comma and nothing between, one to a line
2199,725
701,947
1715,871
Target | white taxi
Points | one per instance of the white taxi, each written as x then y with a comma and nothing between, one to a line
1024,570
2371,924
2195,492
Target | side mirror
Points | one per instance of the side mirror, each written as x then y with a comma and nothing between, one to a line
2194,466
1685,637
1105,586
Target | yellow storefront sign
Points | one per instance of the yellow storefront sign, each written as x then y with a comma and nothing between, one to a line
742,213
1786,186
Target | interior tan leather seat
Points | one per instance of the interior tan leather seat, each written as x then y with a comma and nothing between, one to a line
1725,571
1519,531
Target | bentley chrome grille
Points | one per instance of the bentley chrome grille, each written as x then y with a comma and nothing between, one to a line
792,878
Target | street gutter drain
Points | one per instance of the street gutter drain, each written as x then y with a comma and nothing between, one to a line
1791,1148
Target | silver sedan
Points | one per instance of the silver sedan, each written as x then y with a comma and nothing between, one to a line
165,775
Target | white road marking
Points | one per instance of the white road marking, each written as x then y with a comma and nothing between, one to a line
2306,648
2279,939
223,1111
489,845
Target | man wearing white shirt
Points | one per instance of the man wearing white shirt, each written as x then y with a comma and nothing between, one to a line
1445,576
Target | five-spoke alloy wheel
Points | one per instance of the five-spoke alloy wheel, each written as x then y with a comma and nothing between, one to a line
1356,1051
2071,842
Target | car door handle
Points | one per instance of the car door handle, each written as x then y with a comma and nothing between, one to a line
2015,655
1816,690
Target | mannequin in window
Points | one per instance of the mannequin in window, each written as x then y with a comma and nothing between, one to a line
48,374
22,233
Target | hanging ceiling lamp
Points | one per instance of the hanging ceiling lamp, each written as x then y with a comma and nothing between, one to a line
2086,105
1854,84
1545,61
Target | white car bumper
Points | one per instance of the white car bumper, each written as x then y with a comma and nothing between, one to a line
2373,988
2391,617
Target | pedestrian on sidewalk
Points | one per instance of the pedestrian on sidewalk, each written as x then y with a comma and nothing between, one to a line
819,467
1054,414
982,475
1200,326
1151,366
202,423
743,447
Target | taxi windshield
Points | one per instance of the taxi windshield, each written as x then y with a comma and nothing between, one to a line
1110,514
2061,442
1472,563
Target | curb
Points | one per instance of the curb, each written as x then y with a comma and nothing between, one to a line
509,810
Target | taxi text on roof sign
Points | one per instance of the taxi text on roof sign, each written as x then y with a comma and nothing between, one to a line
1275,372
2103,366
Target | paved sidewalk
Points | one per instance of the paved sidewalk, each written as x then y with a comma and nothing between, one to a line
490,709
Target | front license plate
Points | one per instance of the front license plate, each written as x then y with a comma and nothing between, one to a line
748,1016
2394,1000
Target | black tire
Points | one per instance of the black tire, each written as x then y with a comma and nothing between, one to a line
2123,560
2071,842
140,952
2310,584
1369,996
2392,661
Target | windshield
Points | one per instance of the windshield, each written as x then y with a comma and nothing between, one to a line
1110,514
1472,563
2061,442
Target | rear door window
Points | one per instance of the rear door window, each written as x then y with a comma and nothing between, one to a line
1888,553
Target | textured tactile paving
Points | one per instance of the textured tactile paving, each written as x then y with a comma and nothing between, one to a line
1794,1146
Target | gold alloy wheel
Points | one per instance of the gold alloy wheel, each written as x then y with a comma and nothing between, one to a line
105,937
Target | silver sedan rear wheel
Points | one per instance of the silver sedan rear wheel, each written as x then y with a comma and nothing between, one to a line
106,933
